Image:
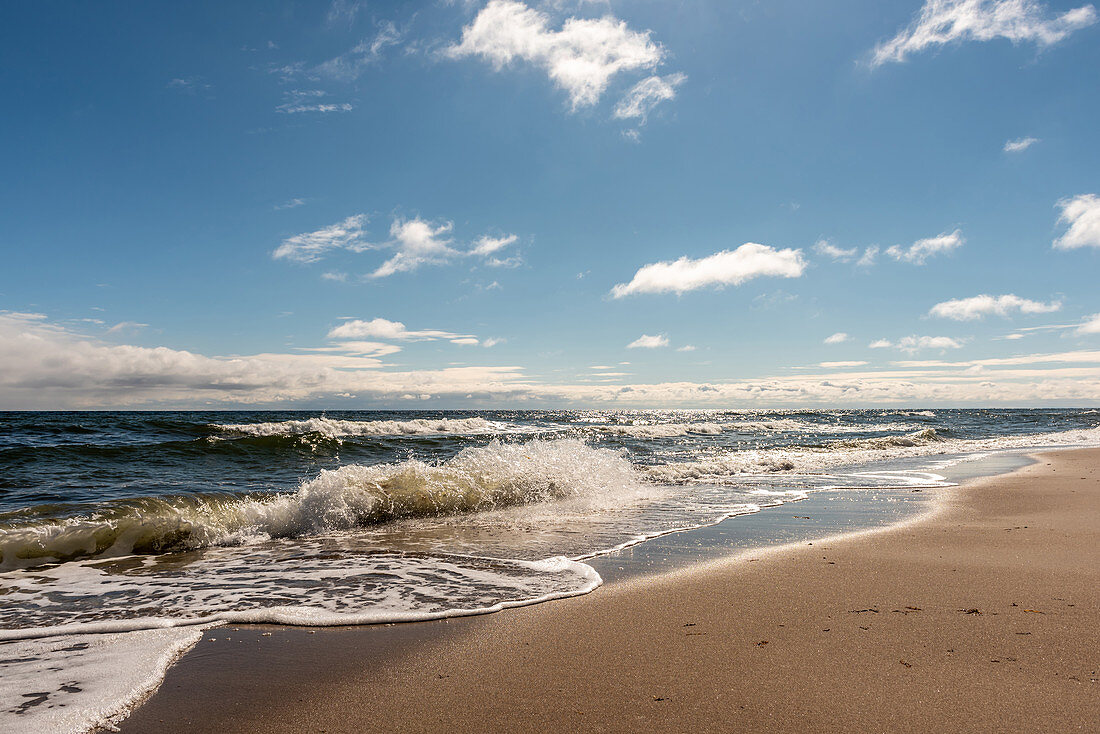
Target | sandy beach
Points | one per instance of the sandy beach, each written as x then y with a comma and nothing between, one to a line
983,615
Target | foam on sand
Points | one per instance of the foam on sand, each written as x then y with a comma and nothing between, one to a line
79,683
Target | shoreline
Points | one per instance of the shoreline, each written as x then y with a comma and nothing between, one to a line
742,642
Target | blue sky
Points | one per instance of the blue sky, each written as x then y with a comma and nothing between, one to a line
603,204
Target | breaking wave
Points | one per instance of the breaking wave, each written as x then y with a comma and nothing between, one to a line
784,425
815,459
475,480
333,428
664,430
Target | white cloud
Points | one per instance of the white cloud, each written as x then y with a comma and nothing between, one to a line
44,365
126,326
647,94
291,204
581,58
492,342
417,242
1082,214
466,341
311,246
916,343
828,249
729,267
835,365
838,338
386,329
868,258
921,250
351,64
1090,326
977,307
686,348
487,245
941,22
645,341
343,12
1019,145
360,348
309,100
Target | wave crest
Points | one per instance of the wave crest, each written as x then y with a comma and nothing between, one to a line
475,480
333,428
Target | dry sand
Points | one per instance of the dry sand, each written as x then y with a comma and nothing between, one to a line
984,616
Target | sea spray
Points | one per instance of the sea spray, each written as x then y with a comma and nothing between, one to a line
477,479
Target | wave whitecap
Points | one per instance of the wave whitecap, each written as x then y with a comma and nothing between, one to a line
334,428
475,480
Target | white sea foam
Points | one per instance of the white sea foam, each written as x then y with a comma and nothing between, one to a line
334,428
310,584
477,479
785,425
73,684
663,430
857,451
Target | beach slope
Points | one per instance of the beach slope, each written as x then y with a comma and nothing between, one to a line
983,616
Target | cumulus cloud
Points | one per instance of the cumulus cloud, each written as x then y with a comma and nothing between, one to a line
1019,145
977,307
386,329
1090,326
838,338
916,343
417,242
827,249
729,267
686,348
311,246
942,22
1082,216
919,252
645,341
580,59
640,100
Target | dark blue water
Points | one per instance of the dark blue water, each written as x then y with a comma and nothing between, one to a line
60,458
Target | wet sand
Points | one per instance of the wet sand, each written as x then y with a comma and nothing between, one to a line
981,616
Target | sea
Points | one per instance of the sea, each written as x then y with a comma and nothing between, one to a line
124,535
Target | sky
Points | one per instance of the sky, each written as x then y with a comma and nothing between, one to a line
505,204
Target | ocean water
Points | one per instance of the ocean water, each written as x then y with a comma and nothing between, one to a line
122,535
